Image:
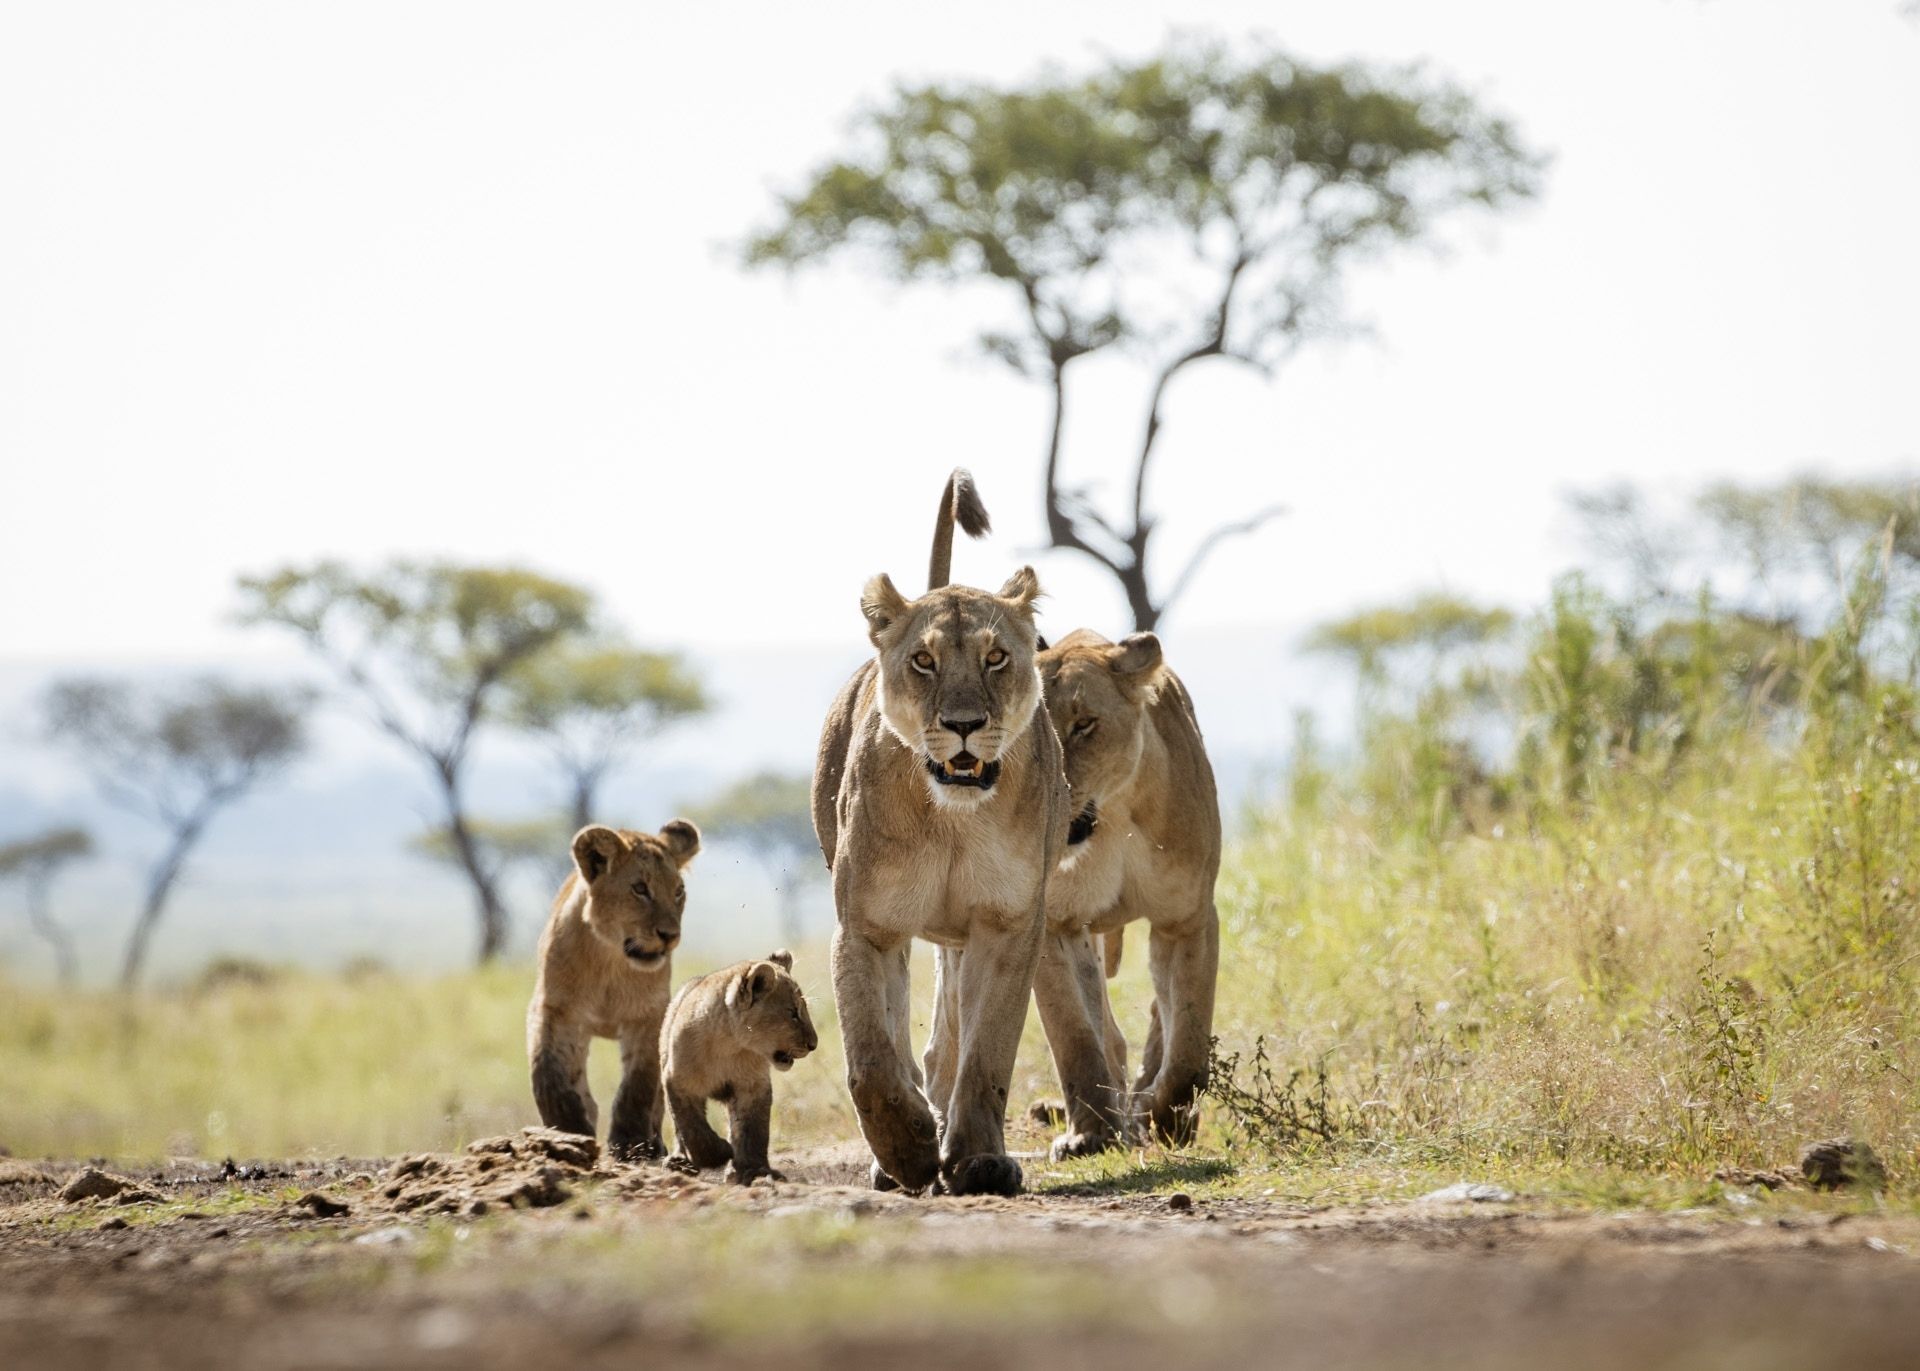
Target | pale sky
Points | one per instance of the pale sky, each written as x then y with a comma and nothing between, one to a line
284,281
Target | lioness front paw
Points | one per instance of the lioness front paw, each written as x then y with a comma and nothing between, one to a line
984,1174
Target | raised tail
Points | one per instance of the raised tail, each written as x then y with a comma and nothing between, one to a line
959,504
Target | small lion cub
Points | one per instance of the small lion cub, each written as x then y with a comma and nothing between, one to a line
722,1033
606,968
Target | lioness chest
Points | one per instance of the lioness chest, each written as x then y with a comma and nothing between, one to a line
958,873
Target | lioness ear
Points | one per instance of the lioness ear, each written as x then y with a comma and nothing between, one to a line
594,849
1136,660
682,839
1023,588
883,604
783,959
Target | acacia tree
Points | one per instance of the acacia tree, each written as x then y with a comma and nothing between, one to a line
427,649
1193,206
177,758
771,815
35,863
591,702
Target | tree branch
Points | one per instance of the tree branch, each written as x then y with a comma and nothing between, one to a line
1213,540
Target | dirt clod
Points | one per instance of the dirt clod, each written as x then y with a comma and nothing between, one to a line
113,1224
1834,1163
525,1170
322,1206
1180,1202
95,1184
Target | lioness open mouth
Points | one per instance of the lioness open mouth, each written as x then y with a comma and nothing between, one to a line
1082,826
965,769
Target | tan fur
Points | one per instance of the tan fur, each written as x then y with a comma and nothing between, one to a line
725,1034
1134,753
963,868
606,967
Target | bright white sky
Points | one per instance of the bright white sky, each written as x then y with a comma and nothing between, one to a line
283,281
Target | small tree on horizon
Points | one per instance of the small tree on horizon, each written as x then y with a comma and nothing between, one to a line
590,703
175,757
1196,205
427,649
36,862
770,813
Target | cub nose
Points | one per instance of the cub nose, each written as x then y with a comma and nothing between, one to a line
962,726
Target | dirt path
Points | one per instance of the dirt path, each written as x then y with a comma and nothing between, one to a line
633,1267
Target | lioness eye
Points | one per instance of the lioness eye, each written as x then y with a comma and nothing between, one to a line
923,661
997,658
1085,727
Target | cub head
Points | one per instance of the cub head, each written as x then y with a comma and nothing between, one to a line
771,1011
957,678
1097,696
635,896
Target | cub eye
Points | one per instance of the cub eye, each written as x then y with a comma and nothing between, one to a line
1084,728
923,661
640,889
996,659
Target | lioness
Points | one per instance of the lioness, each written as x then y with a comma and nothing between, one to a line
940,804
1144,843
606,967
722,1035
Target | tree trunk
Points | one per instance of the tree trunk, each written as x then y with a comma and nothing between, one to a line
40,919
492,915
159,887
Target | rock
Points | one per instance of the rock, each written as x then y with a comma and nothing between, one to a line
1739,1175
111,1225
19,1173
95,1184
1180,1202
1834,1163
394,1236
322,1206
1464,1192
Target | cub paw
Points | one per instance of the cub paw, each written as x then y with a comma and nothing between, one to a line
636,1150
1081,1145
747,1175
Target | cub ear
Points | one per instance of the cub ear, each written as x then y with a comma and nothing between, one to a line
1022,588
751,985
1137,661
682,840
782,959
595,848
883,604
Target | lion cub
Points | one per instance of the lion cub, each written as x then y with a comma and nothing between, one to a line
606,968
722,1033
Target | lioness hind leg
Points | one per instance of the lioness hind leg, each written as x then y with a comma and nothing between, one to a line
559,1067
1071,992
996,979
1184,967
898,1126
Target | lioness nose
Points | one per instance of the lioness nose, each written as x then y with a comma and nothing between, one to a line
962,726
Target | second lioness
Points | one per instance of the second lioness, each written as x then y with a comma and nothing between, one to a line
1144,844
724,1035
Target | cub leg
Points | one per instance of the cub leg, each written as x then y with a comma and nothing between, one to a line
1185,964
695,1142
868,983
559,1059
638,1106
996,980
749,1123
1071,992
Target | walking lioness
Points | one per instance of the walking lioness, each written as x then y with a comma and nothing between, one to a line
941,806
1144,844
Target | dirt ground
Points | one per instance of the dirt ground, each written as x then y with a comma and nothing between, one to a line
521,1254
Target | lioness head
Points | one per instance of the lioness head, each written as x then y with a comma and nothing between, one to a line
957,678
1097,696
771,1011
635,896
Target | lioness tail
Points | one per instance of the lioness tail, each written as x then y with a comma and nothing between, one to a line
959,503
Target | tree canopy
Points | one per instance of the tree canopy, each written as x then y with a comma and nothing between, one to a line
1202,203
